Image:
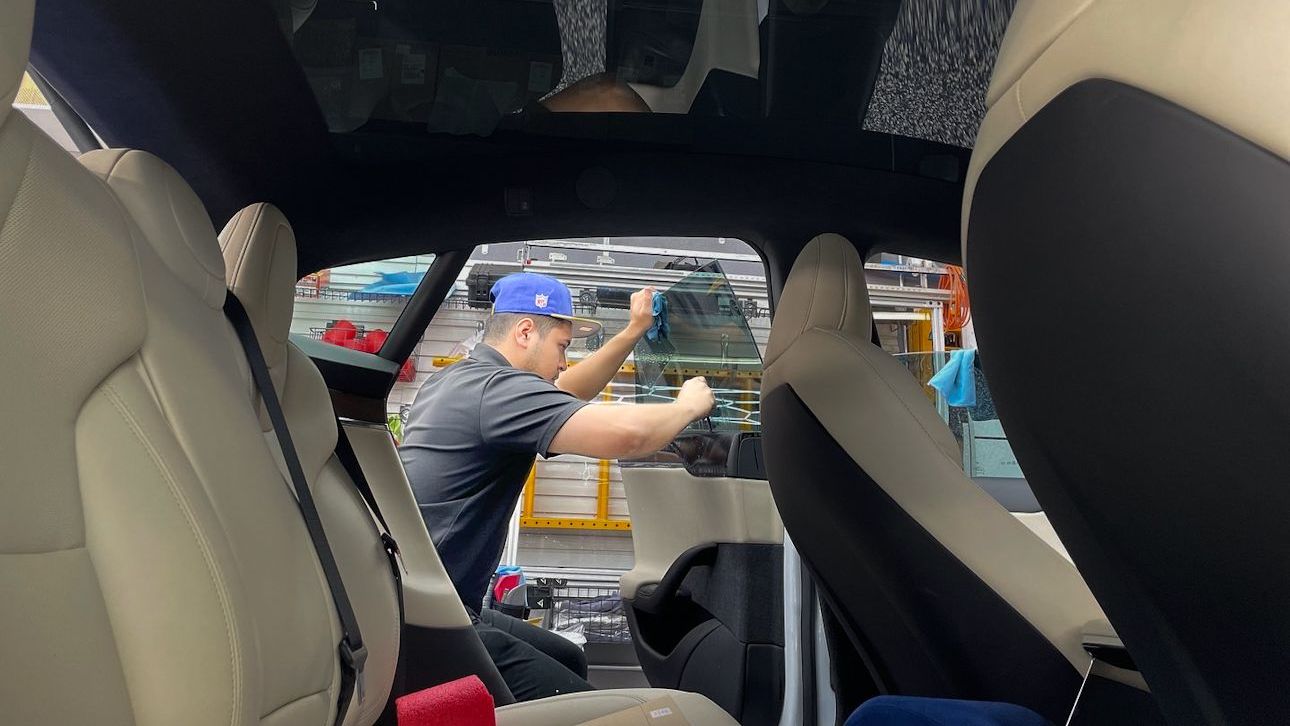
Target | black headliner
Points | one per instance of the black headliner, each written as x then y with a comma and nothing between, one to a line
213,89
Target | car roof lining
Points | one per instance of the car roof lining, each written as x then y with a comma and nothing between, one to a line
183,92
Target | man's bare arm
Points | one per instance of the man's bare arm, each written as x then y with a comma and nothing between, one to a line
593,373
606,431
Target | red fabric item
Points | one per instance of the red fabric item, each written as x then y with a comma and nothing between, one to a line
408,373
463,702
375,339
339,332
505,584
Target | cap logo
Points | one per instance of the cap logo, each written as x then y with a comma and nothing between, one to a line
540,300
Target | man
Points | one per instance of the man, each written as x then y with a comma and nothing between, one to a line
475,428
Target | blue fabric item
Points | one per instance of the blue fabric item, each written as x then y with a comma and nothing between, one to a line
913,711
393,283
659,329
404,290
957,380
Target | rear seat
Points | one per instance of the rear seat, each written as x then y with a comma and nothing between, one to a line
260,253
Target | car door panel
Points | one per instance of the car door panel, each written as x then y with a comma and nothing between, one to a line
716,627
673,511
704,598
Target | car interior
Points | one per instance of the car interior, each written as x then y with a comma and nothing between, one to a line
205,516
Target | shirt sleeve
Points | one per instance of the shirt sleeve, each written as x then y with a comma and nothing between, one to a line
520,411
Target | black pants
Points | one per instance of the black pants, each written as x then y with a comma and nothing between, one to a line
535,663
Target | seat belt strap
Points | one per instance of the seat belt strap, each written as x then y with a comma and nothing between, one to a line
349,459
352,651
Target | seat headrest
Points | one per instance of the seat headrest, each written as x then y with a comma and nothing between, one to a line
16,18
825,291
170,215
1224,61
260,255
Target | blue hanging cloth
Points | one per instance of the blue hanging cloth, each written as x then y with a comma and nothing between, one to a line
957,380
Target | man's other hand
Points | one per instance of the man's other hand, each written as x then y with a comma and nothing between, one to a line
642,311
697,397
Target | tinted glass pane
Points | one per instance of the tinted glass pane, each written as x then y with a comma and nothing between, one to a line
707,334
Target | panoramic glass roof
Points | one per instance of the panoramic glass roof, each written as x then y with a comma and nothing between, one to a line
935,68
916,68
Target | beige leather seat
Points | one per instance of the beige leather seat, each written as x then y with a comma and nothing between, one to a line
172,218
155,568
259,249
575,708
939,589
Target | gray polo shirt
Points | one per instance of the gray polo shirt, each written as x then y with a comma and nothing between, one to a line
470,439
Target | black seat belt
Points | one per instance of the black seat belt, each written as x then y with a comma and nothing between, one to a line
349,460
353,654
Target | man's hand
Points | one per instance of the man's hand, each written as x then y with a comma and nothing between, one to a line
696,397
642,312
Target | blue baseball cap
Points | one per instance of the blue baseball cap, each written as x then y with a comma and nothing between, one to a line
529,293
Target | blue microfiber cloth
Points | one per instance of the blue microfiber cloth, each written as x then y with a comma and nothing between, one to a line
659,329
957,380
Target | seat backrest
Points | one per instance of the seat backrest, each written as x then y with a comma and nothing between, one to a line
259,249
154,566
940,589
1139,148
149,190
76,403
